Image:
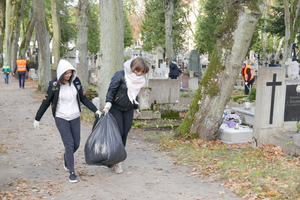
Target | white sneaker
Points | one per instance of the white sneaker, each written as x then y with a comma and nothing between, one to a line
118,168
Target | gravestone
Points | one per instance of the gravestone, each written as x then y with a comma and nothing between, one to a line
159,51
194,63
164,90
184,81
276,108
231,135
193,83
292,69
32,74
292,103
251,56
270,97
247,115
144,98
163,70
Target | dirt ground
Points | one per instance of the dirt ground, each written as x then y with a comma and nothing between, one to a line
31,161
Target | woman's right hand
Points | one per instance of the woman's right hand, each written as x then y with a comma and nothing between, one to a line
107,107
36,124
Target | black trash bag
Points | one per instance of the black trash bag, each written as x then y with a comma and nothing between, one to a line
104,146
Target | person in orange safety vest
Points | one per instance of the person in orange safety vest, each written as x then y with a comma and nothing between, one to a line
248,75
22,67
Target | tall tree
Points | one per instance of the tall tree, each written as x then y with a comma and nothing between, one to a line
18,12
169,6
8,31
68,30
82,41
234,36
128,35
44,72
2,10
153,27
204,37
27,31
264,53
56,33
112,44
94,29
291,14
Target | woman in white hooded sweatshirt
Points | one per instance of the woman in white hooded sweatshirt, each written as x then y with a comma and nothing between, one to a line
121,97
65,94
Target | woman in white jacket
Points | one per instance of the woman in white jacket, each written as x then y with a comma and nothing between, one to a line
65,94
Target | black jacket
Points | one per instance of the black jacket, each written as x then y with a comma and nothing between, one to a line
52,97
117,92
174,71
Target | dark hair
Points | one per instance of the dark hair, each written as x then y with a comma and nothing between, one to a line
61,78
139,64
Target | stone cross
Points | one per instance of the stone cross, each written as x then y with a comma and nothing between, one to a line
292,69
273,84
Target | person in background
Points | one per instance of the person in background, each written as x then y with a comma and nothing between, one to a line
21,67
248,75
65,94
174,71
6,70
121,97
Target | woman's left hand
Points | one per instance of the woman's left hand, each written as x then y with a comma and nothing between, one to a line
136,113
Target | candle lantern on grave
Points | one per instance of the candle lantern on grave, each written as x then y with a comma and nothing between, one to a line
247,105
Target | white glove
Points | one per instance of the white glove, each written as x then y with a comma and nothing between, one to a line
246,83
36,124
98,112
136,113
107,107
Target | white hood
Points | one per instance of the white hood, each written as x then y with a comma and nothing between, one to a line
64,66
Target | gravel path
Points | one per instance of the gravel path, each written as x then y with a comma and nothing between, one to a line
31,161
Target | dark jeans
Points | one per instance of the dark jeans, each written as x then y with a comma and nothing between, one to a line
21,80
173,77
70,135
250,83
6,78
124,120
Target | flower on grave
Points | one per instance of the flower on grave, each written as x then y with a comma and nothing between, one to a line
234,117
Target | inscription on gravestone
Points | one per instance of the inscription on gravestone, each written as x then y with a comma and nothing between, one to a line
292,103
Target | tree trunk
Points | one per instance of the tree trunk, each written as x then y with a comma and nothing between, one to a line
26,40
290,20
19,7
265,39
43,45
56,34
8,31
82,40
169,10
278,48
111,57
234,36
274,43
2,10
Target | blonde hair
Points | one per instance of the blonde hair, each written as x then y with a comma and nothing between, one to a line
140,65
